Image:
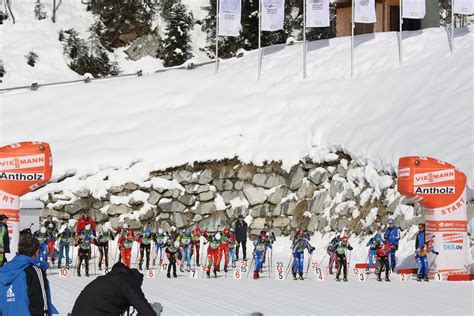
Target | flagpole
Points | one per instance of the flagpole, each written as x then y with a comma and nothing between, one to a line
304,39
217,37
400,34
452,26
352,41
259,38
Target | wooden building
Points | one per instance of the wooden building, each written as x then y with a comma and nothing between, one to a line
388,14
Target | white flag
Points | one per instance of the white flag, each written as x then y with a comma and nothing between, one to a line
317,13
229,17
464,6
364,11
414,9
273,15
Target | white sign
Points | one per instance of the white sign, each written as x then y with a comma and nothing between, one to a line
64,273
403,277
24,162
273,15
364,11
229,17
193,275
150,274
279,271
363,276
317,13
464,6
414,9
237,274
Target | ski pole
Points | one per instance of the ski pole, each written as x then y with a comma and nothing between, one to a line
308,265
250,267
271,262
431,265
94,262
288,268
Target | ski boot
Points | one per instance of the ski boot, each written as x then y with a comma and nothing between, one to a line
175,275
79,273
301,277
215,274
419,278
255,276
387,279
147,267
100,267
87,273
330,272
67,266
379,278
181,268
337,279
234,264
345,279
59,266
426,279
225,269
294,276
140,267
168,275
208,273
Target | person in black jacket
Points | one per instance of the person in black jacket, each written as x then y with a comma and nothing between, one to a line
240,231
113,294
4,239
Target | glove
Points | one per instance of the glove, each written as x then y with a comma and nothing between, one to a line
436,252
313,248
157,308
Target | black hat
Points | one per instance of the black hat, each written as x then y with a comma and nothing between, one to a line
241,216
3,216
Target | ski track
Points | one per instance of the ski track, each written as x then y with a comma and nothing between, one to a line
227,296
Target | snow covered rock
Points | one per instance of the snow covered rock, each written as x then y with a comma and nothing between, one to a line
254,195
318,175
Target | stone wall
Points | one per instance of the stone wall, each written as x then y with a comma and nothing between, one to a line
335,195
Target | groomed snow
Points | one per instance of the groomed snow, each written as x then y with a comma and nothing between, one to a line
423,107
228,296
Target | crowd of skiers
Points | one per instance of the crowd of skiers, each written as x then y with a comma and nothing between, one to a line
183,248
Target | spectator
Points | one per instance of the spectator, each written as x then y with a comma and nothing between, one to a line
240,230
24,287
4,239
392,236
113,294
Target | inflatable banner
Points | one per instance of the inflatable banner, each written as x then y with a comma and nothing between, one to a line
273,15
463,6
24,167
441,189
317,13
229,17
414,9
364,11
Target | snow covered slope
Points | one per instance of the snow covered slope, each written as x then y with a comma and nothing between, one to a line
41,37
423,107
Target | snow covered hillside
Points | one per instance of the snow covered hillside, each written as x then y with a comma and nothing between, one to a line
41,36
423,107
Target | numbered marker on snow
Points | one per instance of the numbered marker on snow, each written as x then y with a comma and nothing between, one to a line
319,276
403,277
439,277
150,274
164,267
362,277
356,271
237,275
314,265
64,273
193,275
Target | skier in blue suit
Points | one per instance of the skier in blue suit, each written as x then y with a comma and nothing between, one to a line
299,247
392,235
422,259
373,250
261,245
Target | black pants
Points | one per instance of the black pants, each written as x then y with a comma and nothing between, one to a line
244,249
383,262
104,254
172,263
342,261
144,249
84,255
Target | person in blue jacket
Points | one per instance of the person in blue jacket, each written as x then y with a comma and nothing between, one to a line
299,247
261,245
24,287
420,236
422,259
392,235
373,250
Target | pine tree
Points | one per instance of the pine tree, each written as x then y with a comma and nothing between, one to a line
124,21
40,14
176,44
